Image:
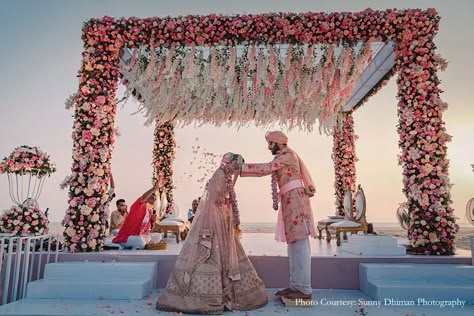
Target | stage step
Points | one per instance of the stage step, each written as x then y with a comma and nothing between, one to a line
95,280
99,270
415,282
373,245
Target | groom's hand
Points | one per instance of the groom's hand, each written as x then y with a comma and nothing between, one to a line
310,191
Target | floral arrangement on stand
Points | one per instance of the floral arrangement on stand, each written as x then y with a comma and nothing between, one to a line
421,129
28,160
163,157
344,158
24,220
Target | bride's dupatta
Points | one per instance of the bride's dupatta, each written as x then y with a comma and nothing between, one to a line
206,277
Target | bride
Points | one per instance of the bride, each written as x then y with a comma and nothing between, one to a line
212,272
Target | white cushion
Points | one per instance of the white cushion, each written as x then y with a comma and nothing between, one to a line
167,222
345,223
108,242
348,204
156,237
327,220
173,218
360,204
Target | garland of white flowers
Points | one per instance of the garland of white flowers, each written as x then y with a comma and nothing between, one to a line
292,85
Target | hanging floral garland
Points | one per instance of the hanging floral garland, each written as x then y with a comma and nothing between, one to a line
293,85
344,158
163,157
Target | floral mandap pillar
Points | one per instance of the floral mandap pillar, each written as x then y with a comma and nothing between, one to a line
344,157
422,140
163,157
93,139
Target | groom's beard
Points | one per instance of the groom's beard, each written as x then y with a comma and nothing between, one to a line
275,149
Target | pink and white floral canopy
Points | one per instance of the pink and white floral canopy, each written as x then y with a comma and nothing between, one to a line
236,69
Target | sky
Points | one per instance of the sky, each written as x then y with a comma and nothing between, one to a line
40,56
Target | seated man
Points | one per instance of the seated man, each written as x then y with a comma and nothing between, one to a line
192,211
118,216
139,221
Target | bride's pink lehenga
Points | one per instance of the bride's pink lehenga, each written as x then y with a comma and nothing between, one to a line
212,272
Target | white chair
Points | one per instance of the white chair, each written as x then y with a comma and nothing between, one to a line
354,222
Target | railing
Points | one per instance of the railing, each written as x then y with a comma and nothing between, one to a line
18,256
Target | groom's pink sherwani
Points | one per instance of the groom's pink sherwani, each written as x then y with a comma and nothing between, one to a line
296,207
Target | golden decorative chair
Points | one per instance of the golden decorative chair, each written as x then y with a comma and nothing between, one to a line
354,222
325,223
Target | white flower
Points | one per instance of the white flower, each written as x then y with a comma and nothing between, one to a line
92,243
95,218
85,210
86,106
95,131
70,231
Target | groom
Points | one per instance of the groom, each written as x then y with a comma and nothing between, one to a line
295,218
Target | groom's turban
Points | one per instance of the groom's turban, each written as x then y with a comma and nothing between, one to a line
277,137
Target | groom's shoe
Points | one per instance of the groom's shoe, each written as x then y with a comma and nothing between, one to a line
284,292
295,295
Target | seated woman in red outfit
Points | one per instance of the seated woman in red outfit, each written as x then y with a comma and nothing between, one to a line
139,221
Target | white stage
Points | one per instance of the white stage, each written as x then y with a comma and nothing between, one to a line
263,244
340,280
325,302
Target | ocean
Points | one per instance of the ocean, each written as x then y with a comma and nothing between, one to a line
381,228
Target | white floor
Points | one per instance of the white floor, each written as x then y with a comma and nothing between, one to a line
325,302
264,244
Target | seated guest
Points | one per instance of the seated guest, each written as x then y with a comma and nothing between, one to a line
139,221
192,210
118,216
